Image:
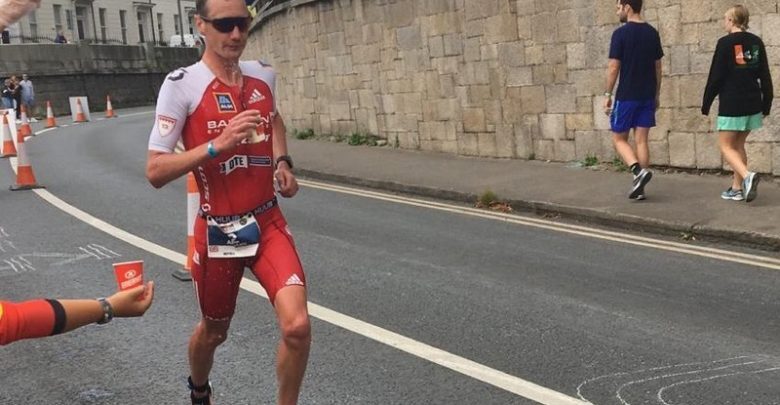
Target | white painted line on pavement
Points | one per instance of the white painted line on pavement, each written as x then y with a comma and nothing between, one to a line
499,379
713,253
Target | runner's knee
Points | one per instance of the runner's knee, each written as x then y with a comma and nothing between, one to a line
213,335
297,332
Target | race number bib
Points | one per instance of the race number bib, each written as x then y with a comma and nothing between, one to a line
236,238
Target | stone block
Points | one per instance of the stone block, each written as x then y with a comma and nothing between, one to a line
533,99
579,122
759,156
567,24
552,126
534,55
682,149
340,111
436,47
473,120
511,54
524,27
543,28
468,144
524,141
472,51
585,104
561,99
600,119
409,38
501,28
564,151
479,9
520,76
659,152
707,151
544,149
588,143
487,144
776,159
771,28
453,45
669,26
575,55
505,141
543,74
696,10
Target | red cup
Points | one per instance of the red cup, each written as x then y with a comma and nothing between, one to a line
129,274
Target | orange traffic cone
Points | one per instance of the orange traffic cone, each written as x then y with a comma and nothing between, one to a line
9,149
193,201
50,121
25,178
109,108
25,129
80,117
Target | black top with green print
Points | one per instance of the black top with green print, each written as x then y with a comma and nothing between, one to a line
739,77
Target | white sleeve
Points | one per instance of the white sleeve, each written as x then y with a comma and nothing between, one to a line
170,115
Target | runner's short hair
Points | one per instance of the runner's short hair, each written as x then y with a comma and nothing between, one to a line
200,7
636,5
740,16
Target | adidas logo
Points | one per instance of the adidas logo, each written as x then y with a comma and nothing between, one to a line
294,280
256,97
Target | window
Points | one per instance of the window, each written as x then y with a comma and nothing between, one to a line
123,25
58,18
69,19
141,37
160,33
33,19
103,28
176,26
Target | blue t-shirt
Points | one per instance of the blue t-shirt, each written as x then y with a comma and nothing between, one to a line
637,46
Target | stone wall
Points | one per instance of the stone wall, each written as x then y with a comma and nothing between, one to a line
499,78
132,75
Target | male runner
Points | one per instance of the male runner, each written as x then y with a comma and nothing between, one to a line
635,54
224,112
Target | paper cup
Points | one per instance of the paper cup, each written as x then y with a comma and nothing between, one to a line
129,274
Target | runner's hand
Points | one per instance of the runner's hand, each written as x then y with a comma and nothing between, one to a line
238,130
129,304
12,10
608,105
285,180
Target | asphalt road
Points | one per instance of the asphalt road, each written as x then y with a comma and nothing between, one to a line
602,321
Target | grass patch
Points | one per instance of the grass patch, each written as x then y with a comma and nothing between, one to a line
305,134
360,138
486,198
590,161
618,164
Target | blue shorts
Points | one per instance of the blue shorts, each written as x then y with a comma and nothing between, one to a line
632,114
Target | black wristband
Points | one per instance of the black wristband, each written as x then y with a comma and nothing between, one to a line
284,158
60,318
108,312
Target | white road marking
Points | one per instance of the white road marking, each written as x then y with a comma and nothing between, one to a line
496,378
712,253
660,394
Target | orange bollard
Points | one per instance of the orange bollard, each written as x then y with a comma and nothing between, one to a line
25,128
25,178
80,117
193,201
50,121
9,149
109,108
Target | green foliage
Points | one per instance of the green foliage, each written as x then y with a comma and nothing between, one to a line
618,164
360,138
487,198
590,160
305,134
532,156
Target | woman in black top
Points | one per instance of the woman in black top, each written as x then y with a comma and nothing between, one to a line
740,78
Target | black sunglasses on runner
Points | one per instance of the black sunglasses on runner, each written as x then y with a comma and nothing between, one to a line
227,24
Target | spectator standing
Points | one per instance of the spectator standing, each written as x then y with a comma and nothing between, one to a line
28,94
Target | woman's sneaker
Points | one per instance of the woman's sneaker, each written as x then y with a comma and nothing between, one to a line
750,186
731,194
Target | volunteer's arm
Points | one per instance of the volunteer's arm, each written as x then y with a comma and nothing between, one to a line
40,318
613,70
12,10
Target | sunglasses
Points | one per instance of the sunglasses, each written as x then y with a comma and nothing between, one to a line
228,24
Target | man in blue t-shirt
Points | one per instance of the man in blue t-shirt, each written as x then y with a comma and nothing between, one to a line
635,55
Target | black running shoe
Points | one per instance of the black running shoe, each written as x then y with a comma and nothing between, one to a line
640,181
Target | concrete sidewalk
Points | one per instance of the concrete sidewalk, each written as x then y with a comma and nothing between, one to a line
676,203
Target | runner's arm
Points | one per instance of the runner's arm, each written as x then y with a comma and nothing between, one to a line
659,73
12,10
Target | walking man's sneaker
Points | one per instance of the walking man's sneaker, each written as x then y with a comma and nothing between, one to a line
640,181
731,194
750,186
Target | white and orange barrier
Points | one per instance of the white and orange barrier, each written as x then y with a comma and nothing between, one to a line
50,121
25,178
9,149
109,108
25,127
193,201
79,109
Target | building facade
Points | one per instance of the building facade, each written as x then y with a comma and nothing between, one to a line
105,21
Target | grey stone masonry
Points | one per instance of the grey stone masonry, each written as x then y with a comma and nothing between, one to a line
500,78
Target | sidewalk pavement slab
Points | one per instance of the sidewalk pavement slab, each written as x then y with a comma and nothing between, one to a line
676,202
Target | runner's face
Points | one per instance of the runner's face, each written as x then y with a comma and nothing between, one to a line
227,45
